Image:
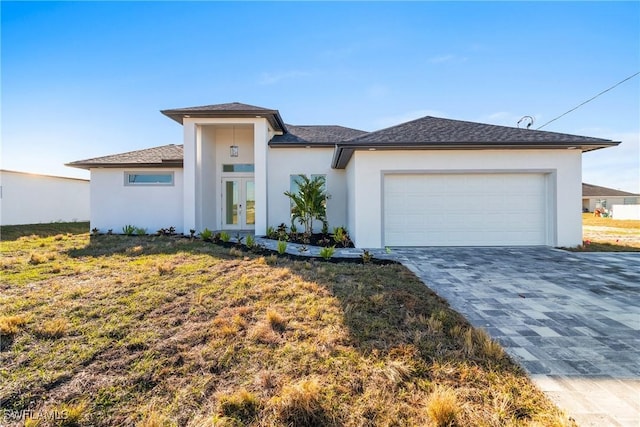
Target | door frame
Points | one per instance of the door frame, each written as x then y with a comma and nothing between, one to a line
242,180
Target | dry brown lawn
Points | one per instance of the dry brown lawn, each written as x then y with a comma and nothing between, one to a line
609,234
150,331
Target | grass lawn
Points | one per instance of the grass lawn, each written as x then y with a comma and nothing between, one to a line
151,331
609,234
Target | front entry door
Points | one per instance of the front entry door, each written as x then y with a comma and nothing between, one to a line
238,203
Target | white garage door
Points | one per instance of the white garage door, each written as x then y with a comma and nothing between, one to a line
465,210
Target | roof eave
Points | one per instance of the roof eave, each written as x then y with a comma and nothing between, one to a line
341,157
344,151
272,116
88,166
301,144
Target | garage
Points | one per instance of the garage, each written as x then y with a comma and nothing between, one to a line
465,209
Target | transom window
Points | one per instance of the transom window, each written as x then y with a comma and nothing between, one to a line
239,167
148,178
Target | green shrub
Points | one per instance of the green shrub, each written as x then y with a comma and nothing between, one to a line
327,252
250,241
309,202
281,233
224,236
141,231
206,235
341,237
128,229
282,247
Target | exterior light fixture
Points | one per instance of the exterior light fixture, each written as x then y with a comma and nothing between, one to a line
233,151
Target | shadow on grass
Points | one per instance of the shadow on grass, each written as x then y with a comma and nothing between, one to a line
14,232
385,306
407,338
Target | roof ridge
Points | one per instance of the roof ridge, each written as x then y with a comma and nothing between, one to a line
465,129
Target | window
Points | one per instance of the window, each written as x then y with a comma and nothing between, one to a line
148,178
293,185
239,167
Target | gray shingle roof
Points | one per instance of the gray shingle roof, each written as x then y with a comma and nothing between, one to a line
436,133
164,156
230,106
590,190
442,131
315,134
424,133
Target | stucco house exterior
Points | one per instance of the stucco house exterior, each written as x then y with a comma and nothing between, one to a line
595,196
29,198
429,181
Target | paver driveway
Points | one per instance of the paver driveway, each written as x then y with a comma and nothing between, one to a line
572,320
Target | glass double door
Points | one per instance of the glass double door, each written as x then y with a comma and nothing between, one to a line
238,203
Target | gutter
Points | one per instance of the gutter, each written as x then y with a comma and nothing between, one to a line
164,164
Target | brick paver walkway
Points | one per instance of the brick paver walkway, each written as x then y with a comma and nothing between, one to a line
572,320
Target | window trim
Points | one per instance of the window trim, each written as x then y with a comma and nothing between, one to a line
128,183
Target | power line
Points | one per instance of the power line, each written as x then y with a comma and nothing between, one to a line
589,100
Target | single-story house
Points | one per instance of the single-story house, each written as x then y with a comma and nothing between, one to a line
29,198
594,197
430,181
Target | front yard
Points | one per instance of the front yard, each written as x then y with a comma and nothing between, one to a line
609,234
116,330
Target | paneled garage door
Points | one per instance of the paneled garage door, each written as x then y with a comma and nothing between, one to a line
465,209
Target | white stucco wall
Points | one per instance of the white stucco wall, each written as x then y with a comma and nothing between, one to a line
366,170
284,162
591,203
114,204
215,152
31,199
199,157
626,211
352,212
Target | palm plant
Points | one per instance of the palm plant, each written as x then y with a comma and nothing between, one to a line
309,203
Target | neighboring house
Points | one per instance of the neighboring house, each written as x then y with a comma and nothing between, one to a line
594,197
430,181
27,198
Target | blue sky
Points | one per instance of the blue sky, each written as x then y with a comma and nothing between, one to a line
87,79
